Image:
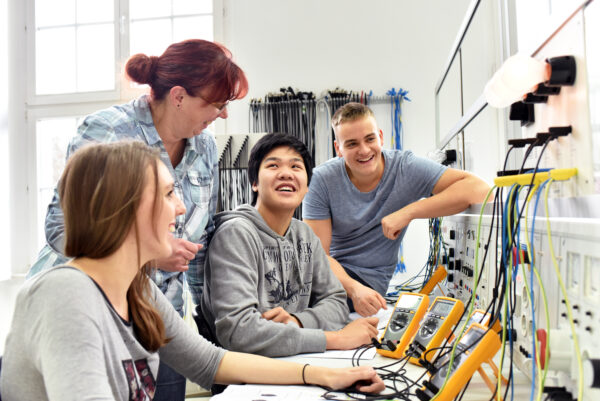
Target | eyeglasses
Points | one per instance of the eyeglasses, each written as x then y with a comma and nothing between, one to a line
218,106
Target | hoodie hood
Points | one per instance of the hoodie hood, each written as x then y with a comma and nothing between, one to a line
250,213
277,249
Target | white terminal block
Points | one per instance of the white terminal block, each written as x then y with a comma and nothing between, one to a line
561,350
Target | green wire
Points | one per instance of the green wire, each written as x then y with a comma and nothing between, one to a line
544,296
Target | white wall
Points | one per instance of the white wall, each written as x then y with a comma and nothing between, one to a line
18,148
315,45
4,215
357,45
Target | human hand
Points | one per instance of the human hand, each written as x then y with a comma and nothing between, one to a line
393,223
280,315
356,333
183,252
366,300
361,378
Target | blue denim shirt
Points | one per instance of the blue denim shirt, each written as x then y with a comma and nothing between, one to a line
196,183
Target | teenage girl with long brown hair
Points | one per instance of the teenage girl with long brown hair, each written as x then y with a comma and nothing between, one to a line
96,327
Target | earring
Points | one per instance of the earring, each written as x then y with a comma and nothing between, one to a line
179,106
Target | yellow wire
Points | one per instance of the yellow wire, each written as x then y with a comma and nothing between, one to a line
564,293
472,303
542,381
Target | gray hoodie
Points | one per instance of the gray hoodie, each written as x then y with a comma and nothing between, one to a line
251,269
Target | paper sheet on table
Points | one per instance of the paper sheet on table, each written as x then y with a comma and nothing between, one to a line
383,315
264,392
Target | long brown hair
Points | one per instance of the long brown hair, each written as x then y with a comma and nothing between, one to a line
100,192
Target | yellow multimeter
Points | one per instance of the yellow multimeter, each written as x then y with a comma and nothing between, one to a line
403,324
482,317
477,346
437,324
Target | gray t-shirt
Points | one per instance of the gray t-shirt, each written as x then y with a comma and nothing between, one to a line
357,240
67,342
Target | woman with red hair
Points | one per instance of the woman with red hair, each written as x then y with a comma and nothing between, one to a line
191,84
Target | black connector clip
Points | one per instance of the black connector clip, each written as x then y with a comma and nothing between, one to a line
389,344
521,142
544,136
564,71
557,394
544,90
421,395
531,98
503,173
429,366
520,111
560,131
376,343
450,157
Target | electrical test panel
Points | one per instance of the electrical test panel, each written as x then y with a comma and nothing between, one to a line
531,258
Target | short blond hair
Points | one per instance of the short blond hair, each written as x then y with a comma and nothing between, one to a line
350,112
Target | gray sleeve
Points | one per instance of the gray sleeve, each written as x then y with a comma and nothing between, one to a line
232,260
328,308
187,352
316,203
65,328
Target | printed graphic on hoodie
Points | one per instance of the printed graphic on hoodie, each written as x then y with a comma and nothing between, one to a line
140,369
281,289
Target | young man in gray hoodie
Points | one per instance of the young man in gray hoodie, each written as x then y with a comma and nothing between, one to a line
268,287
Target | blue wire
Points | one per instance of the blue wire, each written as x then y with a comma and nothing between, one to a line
396,99
396,120
539,170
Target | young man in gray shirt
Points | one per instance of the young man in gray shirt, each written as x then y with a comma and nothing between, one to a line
360,203
269,288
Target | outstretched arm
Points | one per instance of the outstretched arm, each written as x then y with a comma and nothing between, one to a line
455,191
366,300
203,363
244,368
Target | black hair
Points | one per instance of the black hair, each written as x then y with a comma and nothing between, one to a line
266,144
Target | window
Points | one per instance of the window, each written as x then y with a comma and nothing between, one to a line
52,137
154,24
79,49
74,46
